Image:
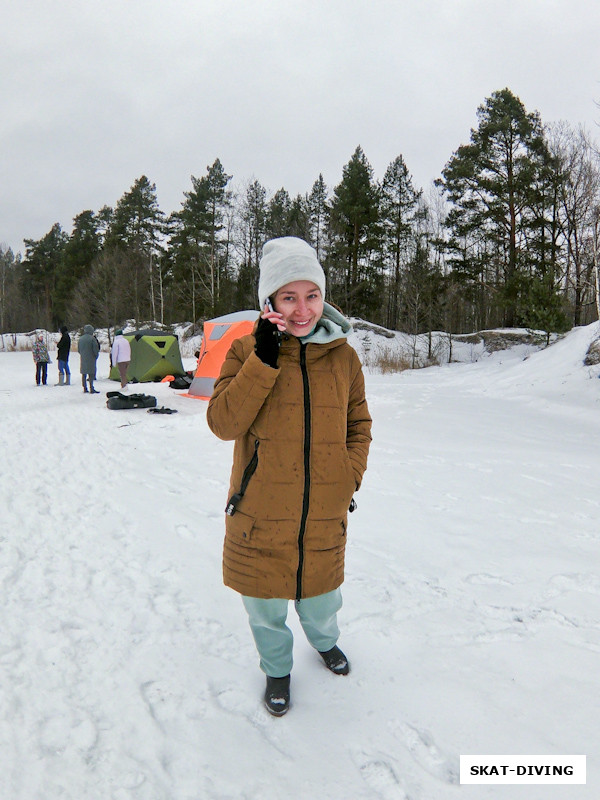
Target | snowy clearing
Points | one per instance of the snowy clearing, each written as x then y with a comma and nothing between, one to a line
472,595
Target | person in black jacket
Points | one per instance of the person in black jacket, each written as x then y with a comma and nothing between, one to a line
64,348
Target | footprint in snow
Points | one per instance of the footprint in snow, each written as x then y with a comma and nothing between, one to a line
184,532
242,704
426,753
379,776
578,582
166,706
511,634
484,579
59,732
131,784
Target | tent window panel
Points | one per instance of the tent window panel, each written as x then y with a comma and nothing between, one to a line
202,387
217,332
160,344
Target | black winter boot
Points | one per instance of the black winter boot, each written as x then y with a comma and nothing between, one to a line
335,661
277,695
84,383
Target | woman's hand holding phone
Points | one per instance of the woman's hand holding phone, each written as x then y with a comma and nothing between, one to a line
273,316
268,336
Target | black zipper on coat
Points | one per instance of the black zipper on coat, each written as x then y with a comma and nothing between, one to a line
306,495
248,473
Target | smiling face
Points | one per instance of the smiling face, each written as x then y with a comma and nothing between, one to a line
301,305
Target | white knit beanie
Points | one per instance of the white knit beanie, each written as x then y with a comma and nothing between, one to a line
285,260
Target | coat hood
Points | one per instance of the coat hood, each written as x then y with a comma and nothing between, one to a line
332,325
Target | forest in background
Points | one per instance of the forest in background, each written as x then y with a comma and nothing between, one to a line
507,236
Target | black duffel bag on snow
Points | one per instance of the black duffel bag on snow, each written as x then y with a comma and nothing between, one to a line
117,400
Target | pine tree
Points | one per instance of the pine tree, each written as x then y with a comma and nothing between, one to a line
42,263
101,298
278,215
318,216
398,204
137,229
187,246
298,219
79,254
199,252
545,309
251,236
492,182
287,217
353,213
10,296
219,202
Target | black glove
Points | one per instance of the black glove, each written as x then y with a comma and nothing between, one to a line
267,342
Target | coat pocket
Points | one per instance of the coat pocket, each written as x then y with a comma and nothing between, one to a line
239,528
249,471
351,478
325,534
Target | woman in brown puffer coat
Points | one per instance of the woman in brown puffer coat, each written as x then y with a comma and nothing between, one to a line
292,397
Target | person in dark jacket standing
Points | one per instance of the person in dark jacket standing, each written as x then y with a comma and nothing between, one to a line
64,348
292,397
88,348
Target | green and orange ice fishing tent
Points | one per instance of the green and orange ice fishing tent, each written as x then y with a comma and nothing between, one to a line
154,354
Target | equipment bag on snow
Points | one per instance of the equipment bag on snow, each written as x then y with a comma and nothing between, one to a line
117,401
181,382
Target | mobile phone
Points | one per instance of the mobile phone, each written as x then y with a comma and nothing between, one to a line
269,305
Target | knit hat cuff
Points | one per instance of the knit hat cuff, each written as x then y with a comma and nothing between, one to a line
286,260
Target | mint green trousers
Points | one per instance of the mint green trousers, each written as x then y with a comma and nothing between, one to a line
274,640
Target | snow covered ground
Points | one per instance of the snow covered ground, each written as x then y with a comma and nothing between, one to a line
472,597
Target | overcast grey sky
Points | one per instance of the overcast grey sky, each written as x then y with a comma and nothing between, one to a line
96,93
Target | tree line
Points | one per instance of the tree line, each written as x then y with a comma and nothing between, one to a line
508,235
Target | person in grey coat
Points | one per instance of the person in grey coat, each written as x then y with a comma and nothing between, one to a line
88,349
